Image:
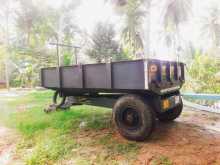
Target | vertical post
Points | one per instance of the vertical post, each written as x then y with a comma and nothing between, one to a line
109,75
60,77
42,77
76,57
58,55
7,75
81,72
58,61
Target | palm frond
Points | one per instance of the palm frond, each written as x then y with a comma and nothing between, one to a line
176,11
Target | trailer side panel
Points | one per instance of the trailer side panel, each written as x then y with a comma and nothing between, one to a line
72,77
50,78
95,76
128,75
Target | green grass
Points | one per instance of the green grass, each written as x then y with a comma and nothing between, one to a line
162,160
62,135
129,149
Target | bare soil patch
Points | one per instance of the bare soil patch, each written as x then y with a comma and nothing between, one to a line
8,140
193,139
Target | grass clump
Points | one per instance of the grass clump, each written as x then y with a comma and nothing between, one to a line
127,149
162,160
49,150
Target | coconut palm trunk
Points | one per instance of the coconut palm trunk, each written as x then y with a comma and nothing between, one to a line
7,47
147,30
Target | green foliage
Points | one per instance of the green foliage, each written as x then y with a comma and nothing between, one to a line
34,27
67,59
103,46
202,73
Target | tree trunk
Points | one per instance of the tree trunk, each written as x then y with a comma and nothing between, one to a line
147,30
7,74
7,48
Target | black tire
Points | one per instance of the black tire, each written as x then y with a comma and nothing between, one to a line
133,117
55,96
171,114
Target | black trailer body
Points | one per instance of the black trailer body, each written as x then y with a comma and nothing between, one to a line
138,90
125,76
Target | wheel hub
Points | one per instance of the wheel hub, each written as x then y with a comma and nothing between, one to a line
130,118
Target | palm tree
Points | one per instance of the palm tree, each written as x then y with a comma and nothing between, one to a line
5,14
131,33
134,35
211,26
174,14
167,37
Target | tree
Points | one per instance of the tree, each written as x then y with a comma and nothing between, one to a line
131,33
167,37
103,45
69,31
211,26
174,14
202,71
37,26
5,13
136,30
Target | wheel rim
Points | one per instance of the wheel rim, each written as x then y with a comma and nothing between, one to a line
130,118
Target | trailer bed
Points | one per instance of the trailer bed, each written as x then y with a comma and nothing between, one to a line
124,76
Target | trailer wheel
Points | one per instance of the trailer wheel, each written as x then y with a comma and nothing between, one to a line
59,99
134,118
171,114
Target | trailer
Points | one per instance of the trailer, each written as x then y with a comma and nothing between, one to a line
140,91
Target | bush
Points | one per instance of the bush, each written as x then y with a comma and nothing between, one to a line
201,75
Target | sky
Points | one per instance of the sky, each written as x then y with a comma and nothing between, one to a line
93,11
90,12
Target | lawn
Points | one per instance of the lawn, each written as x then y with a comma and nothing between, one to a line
80,135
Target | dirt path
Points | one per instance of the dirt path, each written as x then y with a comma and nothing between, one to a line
7,146
8,137
194,139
